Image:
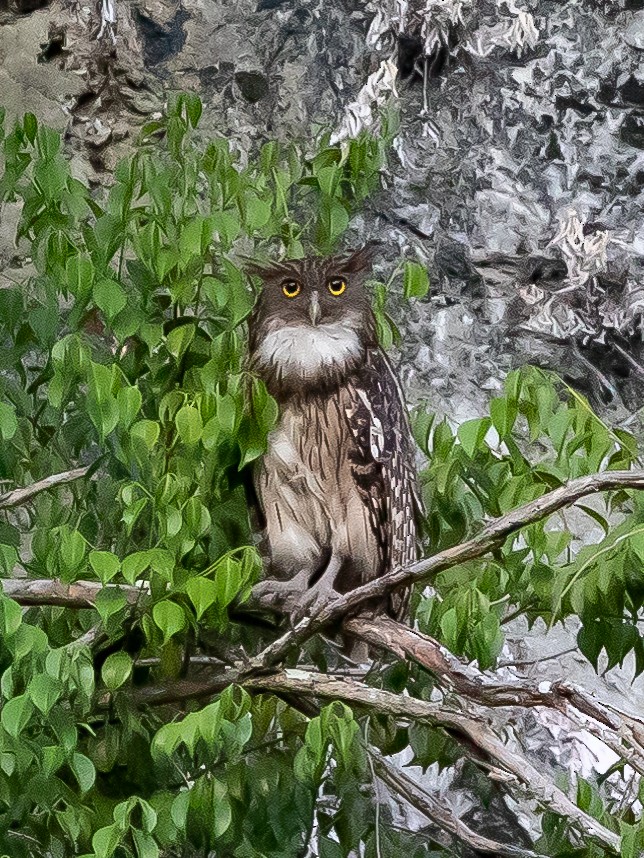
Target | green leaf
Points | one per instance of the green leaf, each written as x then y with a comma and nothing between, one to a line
110,297
472,432
44,691
8,422
170,618
129,401
16,714
105,564
146,846
109,602
162,562
11,308
503,413
189,425
202,593
30,126
148,431
179,339
72,549
8,559
53,757
333,221
449,628
84,771
222,816
179,810
173,521
193,107
258,212
133,511
196,517
328,179
415,280
101,404
11,616
637,542
134,565
47,142
632,840
105,841
79,271
226,224
591,640
116,670
152,334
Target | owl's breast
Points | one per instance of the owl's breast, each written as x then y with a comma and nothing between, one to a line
307,447
307,487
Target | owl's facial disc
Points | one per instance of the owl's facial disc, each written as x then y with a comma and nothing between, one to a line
312,324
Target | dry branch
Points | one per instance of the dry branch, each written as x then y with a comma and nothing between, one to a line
473,729
622,735
26,493
492,536
49,591
468,728
425,802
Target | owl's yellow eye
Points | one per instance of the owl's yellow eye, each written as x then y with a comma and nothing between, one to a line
337,286
291,288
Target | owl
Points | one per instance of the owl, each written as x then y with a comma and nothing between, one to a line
337,484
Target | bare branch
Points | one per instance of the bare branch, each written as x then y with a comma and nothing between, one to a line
22,495
620,733
470,728
492,536
442,816
466,728
49,591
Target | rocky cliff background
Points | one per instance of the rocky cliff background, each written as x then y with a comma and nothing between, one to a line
517,177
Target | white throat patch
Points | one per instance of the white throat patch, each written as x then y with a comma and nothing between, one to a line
303,352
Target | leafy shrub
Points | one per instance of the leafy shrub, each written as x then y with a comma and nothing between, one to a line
123,352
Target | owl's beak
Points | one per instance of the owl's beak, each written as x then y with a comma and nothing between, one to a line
314,308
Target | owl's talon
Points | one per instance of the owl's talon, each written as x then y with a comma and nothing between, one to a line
312,601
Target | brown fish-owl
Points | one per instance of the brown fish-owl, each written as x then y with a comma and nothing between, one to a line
337,485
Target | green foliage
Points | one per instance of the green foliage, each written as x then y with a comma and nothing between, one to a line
124,350
539,434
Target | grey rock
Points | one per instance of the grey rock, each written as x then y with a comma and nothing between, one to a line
634,32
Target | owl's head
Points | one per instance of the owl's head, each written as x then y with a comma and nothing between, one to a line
312,321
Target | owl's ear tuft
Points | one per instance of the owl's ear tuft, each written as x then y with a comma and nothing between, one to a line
358,261
266,270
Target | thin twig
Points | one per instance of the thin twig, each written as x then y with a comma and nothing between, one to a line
26,493
532,661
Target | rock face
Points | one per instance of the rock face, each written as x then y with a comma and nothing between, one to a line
518,173
518,168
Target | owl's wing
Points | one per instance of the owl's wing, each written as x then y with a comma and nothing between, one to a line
383,464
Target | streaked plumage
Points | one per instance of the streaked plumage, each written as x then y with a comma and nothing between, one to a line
337,485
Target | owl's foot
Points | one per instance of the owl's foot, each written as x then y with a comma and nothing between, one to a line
273,594
311,601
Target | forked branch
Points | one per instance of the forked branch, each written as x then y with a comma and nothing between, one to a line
492,536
